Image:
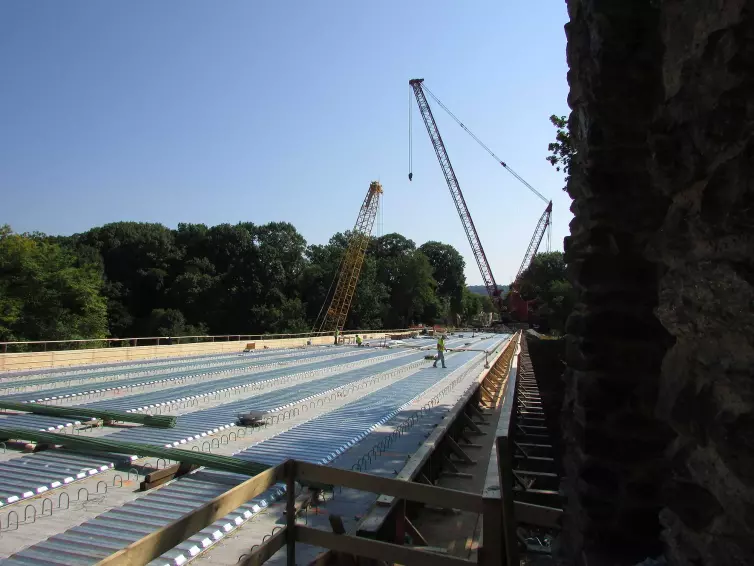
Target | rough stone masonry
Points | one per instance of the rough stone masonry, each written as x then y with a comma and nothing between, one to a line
659,410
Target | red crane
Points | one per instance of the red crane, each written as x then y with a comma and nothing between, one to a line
516,304
455,190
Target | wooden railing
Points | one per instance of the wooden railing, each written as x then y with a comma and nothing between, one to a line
55,345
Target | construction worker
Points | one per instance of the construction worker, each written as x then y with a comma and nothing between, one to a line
336,336
440,351
359,341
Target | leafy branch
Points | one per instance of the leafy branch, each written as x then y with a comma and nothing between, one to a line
562,151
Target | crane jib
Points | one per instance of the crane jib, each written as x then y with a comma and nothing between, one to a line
350,267
455,191
417,85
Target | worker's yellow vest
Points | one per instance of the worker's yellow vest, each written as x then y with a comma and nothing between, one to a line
441,345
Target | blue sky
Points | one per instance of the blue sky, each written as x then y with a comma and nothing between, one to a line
199,111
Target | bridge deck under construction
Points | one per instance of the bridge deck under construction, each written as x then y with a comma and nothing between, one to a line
366,409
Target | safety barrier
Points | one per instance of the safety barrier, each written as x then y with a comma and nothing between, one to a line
109,350
156,543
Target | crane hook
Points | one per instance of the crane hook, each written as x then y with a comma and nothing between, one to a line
410,176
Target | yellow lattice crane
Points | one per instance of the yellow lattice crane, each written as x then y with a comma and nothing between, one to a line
350,267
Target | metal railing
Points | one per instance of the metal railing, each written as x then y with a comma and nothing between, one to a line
98,343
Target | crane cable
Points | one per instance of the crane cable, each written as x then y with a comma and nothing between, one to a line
315,329
410,142
480,142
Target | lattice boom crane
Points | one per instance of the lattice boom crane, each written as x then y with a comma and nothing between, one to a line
455,191
536,240
350,267
476,246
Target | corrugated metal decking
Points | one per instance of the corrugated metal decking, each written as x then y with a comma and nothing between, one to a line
320,439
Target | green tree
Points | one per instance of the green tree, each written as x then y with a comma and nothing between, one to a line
318,283
448,270
472,306
561,150
171,322
413,295
137,260
367,307
46,293
224,279
546,283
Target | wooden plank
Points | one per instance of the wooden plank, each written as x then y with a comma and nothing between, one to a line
383,551
539,515
336,524
415,534
157,542
159,474
533,445
532,427
486,391
492,526
432,495
545,497
160,477
290,509
474,409
461,475
458,451
267,549
371,525
450,465
491,488
535,464
469,423
146,486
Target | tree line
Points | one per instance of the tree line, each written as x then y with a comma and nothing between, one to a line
131,279
143,279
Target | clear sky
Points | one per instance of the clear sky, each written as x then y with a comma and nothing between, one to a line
201,111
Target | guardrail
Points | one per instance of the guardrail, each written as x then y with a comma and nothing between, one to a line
92,343
292,471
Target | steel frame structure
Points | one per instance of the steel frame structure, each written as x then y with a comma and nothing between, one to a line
455,192
350,268
536,240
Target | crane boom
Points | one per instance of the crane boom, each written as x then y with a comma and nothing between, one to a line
455,191
536,240
353,259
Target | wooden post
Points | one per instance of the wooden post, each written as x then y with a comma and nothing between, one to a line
290,512
506,493
492,539
400,523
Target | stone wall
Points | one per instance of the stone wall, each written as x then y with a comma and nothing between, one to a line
658,419
703,162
